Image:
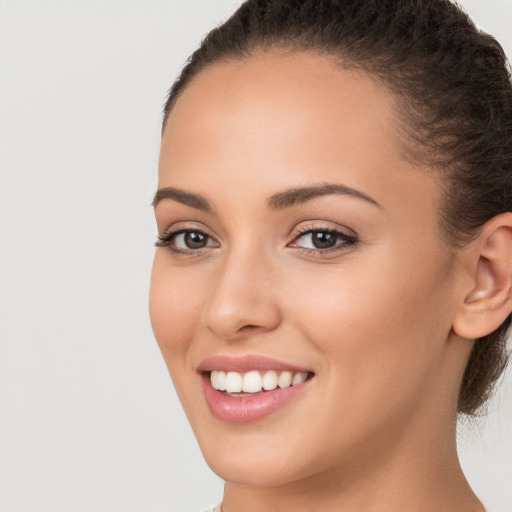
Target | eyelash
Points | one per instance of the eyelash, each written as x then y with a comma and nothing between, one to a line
166,240
348,241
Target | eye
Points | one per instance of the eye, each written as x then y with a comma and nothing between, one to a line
190,240
323,240
186,241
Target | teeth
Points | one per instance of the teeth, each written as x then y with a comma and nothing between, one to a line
214,379
298,378
221,381
254,381
270,380
233,382
285,380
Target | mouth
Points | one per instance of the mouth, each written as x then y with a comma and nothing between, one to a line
238,384
242,390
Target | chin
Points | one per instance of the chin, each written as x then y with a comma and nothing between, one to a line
264,471
263,453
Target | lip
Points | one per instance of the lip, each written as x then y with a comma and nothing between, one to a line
246,364
245,409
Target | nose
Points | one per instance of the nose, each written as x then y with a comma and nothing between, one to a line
243,299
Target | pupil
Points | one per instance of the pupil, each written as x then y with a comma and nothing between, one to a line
322,240
195,240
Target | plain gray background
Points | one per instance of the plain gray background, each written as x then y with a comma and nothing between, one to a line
88,418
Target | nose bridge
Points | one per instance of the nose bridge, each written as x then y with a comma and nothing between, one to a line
242,299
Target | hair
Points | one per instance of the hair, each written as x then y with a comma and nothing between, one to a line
454,95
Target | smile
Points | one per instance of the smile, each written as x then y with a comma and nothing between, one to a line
254,381
242,390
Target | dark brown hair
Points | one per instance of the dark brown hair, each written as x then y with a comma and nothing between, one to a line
452,84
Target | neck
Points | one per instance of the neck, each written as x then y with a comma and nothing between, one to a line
415,473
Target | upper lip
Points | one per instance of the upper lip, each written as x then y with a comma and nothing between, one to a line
246,363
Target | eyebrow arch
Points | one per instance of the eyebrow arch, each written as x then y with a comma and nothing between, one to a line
299,195
278,201
186,198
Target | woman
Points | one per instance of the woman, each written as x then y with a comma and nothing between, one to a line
331,286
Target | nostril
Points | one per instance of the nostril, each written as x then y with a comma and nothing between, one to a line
248,328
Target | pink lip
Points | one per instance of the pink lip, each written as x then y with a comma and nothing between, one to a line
245,409
246,363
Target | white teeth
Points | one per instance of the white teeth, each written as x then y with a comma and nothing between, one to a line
270,380
214,379
221,381
298,378
284,380
233,382
254,381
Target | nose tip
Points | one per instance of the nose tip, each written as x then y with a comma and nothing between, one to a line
242,303
232,317
234,324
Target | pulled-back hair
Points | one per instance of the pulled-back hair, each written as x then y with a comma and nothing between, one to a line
454,95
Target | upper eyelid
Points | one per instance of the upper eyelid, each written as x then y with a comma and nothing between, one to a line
183,226
301,230
172,233
308,229
342,230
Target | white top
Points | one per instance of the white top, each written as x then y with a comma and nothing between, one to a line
212,509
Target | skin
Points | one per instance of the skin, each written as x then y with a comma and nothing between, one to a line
374,320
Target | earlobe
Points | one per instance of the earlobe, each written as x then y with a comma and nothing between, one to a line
488,303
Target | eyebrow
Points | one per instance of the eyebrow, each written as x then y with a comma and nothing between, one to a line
278,201
299,195
187,198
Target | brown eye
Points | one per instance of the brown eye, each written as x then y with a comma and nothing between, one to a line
186,240
193,239
323,239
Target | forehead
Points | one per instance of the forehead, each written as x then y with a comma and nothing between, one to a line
288,119
285,90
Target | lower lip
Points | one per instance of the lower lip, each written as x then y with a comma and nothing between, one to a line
245,409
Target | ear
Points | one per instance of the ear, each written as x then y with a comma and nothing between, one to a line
489,300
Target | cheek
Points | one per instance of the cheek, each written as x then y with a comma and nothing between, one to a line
174,301
381,335
379,323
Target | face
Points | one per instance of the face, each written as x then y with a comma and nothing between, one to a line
296,242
